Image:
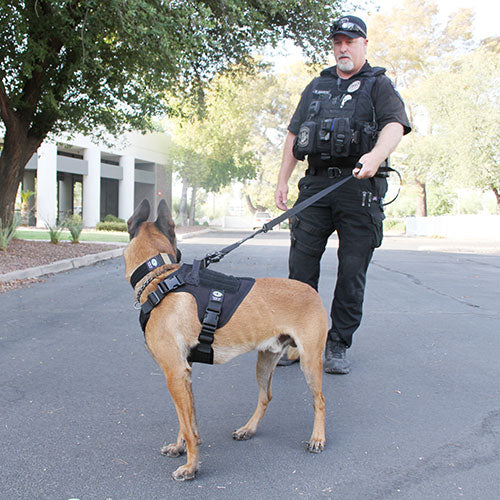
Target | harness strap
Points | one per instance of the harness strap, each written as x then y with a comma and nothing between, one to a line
155,297
203,352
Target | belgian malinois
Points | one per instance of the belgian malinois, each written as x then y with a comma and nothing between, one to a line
275,314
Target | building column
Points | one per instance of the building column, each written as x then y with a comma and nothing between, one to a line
46,188
66,195
126,187
92,187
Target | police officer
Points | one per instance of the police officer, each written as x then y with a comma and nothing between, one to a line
348,121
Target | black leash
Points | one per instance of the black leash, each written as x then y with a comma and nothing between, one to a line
219,254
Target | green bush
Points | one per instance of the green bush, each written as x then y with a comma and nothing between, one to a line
55,231
112,226
74,224
8,231
395,224
112,218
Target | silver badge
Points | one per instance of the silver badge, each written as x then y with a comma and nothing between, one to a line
354,86
346,98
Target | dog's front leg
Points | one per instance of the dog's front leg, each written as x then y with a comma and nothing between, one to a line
179,385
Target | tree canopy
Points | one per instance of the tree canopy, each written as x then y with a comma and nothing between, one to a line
87,65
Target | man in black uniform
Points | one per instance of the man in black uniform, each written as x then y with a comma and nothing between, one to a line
348,121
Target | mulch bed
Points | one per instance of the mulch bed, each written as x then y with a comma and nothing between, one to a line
22,254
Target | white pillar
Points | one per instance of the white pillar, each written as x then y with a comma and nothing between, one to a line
46,187
92,187
126,187
66,195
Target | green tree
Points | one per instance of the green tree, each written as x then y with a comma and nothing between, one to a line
465,114
412,43
279,94
87,65
211,145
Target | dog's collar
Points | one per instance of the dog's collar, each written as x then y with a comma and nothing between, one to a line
150,265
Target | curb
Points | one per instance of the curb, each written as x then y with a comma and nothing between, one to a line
62,265
76,262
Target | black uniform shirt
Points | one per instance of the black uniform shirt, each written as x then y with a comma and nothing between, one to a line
389,106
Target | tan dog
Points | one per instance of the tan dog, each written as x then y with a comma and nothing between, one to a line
276,313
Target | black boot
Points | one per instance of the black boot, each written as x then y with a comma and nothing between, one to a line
335,358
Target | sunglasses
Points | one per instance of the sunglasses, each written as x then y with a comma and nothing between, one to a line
347,26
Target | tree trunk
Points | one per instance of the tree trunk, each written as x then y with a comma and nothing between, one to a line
192,208
497,196
17,151
421,200
183,205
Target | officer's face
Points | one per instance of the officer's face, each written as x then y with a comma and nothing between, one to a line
350,54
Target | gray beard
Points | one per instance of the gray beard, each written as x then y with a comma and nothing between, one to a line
345,65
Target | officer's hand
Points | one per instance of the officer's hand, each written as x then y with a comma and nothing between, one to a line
366,167
281,196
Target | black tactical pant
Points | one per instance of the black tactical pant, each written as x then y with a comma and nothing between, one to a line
358,223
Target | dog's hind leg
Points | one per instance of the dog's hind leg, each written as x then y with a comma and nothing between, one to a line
179,385
266,363
311,365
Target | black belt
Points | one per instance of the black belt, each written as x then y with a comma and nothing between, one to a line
331,172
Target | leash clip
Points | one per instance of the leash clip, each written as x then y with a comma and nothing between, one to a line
137,305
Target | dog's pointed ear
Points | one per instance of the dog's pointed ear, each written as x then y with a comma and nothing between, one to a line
139,216
164,221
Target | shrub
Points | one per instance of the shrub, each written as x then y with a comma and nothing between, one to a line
8,231
112,226
395,224
112,218
74,224
55,231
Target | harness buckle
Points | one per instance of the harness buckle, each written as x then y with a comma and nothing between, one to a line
169,284
334,172
154,298
205,339
210,320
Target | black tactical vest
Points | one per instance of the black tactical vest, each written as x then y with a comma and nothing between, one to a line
341,119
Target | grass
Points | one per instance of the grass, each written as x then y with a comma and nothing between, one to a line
86,235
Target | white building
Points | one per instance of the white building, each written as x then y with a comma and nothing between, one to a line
74,175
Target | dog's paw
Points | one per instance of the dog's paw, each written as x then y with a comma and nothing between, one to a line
184,473
316,445
243,434
173,450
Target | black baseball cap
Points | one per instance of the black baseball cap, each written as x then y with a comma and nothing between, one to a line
350,26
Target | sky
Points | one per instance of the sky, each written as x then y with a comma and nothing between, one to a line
487,13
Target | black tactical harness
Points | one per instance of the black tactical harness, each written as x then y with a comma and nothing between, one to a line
217,296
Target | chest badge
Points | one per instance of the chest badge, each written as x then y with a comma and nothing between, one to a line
354,86
345,99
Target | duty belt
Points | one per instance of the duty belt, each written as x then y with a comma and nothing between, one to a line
331,172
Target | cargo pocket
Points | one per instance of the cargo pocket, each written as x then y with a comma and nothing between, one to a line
377,218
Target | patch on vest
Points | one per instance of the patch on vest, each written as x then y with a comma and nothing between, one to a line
354,86
303,137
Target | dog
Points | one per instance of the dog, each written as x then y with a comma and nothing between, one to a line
276,313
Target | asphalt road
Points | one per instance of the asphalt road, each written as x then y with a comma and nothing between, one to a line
84,410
